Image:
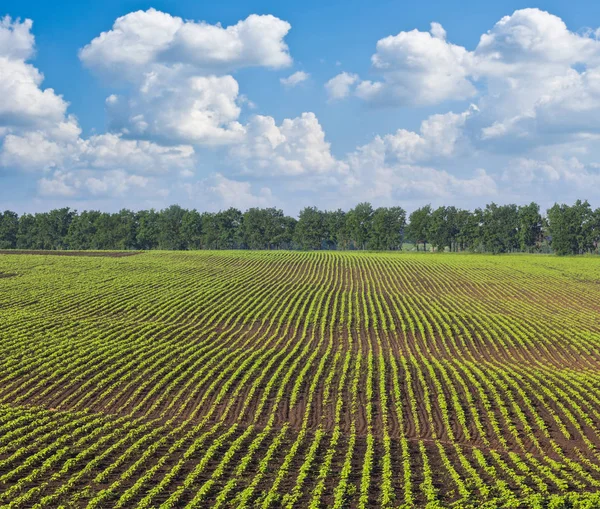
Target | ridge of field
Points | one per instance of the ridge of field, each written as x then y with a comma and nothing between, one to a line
299,379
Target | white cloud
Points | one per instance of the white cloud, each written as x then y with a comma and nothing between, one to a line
142,38
567,173
440,136
374,175
22,101
40,151
218,192
339,86
107,151
535,82
532,36
178,90
16,40
295,79
438,31
175,108
418,68
534,85
69,184
296,147
235,193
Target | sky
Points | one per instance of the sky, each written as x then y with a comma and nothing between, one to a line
134,104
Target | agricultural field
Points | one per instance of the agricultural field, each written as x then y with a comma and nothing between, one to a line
299,379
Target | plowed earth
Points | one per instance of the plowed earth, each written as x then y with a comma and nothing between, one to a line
278,379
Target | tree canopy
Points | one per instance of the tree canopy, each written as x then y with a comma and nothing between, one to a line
566,229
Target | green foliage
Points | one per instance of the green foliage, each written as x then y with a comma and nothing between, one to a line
297,379
311,229
574,229
387,229
495,229
419,226
9,228
359,221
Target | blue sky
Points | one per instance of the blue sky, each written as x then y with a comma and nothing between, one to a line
297,103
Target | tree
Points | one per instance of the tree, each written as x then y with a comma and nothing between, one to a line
359,222
337,236
387,228
418,228
51,228
82,230
499,229
9,228
572,228
443,228
169,236
229,228
266,228
530,227
595,237
191,229
27,235
467,230
148,229
126,225
311,229
285,234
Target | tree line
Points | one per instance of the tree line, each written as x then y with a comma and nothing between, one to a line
565,229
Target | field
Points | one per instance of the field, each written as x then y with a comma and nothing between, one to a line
290,379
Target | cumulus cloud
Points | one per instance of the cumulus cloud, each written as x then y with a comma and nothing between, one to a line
143,38
532,78
533,86
373,175
295,79
441,135
418,68
16,40
235,193
554,171
174,108
38,135
339,86
178,89
69,184
296,147
220,192
35,150
22,100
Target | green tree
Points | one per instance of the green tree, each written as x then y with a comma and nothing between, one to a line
530,227
266,228
359,222
82,230
191,229
467,230
148,229
337,236
418,228
311,229
169,236
500,227
571,228
27,235
9,228
387,228
229,228
443,228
